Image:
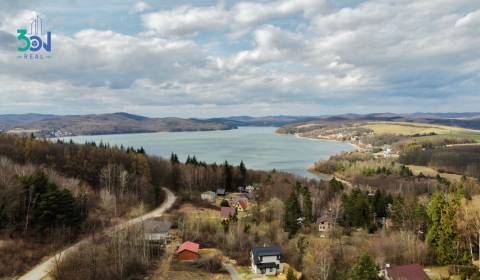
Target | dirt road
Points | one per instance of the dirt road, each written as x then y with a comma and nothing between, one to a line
42,270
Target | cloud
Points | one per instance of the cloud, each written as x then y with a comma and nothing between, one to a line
140,7
284,56
186,20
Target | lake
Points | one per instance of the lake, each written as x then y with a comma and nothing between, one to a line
258,147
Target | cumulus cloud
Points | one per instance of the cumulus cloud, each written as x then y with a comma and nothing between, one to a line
286,56
186,20
140,7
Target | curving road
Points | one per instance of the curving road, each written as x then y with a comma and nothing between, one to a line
233,272
42,270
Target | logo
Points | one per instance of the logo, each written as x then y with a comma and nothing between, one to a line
35,45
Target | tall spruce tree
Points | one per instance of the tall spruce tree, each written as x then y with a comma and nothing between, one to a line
243,173
307,205
364,269
443,236
292,213
228,176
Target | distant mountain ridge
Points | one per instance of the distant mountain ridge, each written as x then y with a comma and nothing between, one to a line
115,123
48,125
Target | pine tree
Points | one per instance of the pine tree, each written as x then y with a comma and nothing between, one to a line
290,275
442,236
228,176
364,269
291,215
174,159
243,174
307,205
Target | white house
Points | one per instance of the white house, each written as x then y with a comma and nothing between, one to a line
209,196
266,260
157,230
325,224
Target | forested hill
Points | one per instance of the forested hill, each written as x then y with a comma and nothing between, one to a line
55,125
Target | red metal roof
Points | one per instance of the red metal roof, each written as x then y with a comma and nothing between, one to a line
243,203
189,246
407,272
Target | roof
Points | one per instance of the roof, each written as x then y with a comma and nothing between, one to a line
156,226
265,251
221,191
243,203
407,272
188,246
226,212
323,219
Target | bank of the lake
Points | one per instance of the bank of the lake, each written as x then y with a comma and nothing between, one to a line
259,147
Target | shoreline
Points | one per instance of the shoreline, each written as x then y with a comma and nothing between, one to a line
297,135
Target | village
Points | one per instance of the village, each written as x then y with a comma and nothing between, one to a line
187,258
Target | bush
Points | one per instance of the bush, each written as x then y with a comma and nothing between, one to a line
211,265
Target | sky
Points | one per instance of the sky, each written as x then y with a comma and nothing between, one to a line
223,58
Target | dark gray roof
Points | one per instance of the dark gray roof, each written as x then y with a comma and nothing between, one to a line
156,226
265,251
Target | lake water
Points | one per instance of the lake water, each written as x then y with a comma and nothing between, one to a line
259,147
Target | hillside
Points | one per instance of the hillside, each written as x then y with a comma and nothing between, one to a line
54,125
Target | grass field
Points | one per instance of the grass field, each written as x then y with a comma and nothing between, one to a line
404,128
408,129
416,169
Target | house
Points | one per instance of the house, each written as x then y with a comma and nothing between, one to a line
325,223
221,192
188,251
249,188
227,212
209,196
405,272
266,260
241,189
157,230
240,203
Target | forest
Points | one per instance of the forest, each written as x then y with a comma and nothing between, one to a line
52,193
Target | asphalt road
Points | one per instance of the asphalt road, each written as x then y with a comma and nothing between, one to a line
42,270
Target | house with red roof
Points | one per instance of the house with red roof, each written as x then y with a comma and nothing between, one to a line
188,251
240,203
405,272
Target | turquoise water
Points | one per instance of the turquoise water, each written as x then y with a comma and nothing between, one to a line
259,147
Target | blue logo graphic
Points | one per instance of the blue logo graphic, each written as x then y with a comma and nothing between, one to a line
36,44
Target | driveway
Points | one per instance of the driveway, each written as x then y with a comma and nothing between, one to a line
233,272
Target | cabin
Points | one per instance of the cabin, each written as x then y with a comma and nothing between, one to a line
405,272
221,192
209,196
188,251
325,224
266,260
156,230
227,212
